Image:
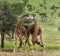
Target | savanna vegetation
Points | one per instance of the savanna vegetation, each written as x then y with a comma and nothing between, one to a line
47,14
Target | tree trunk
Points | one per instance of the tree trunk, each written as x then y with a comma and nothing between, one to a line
12,34
2,39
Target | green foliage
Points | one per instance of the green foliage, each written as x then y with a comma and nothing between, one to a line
25,1
26,23
30,7
43,5
59,15
7,17
43,17
59,27
18,8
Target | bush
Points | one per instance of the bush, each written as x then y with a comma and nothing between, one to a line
59,27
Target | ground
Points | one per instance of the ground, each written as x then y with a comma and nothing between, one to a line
36,53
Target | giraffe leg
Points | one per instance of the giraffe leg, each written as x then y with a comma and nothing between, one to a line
33,42
33,46
15,39
26,42
20,41
41,42
27,34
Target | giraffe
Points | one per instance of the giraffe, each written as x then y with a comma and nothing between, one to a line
20,31
34,30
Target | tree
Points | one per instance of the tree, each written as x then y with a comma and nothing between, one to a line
59,15
25,2
18,8
43,5
59,27
30,7
7,19
43,14
54,9
43,17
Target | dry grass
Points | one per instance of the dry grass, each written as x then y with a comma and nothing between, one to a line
29,53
